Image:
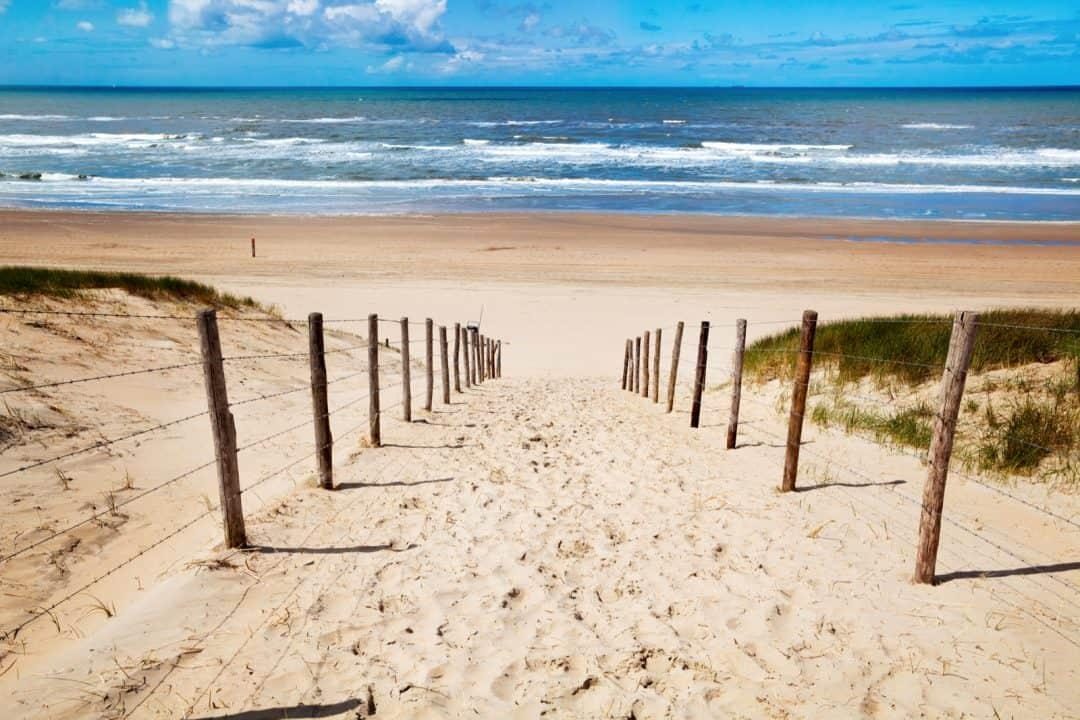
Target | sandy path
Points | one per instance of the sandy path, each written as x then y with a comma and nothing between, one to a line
560,547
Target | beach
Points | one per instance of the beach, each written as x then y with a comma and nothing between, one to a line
564,288
546,542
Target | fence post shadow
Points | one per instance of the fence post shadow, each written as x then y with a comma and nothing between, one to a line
1009,572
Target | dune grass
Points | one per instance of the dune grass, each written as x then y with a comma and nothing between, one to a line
50,282
912,348
1022,423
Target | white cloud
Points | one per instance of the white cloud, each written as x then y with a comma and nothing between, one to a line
85,25
530,21
392,65
162,43
405,25
461,59
135,17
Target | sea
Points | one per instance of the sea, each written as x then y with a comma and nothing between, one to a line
958,154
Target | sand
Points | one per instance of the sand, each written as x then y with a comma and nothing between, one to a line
547,544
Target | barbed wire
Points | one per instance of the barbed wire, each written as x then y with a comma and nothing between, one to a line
110,376
110,510
102,444
13,632
1026,327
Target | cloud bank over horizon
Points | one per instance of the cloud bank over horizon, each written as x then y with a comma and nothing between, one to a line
332,42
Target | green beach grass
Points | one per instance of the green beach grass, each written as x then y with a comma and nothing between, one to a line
20,281
1011,424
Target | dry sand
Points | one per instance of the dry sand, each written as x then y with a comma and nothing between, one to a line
546,545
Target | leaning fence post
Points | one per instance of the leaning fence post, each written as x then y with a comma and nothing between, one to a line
699,374
736,383
429,326
798,399
645,369
444,355
457,356
324,442
674,374
961,344
224,429
656,367
374,416
406,373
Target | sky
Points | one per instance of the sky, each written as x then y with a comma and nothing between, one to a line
533,42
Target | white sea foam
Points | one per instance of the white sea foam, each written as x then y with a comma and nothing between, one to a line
17,116
471,141
755,148
674,122
241,185
934,126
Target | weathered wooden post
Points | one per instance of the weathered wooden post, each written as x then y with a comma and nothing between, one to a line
492,354
736,383
961,345
498,360
475,338
625,364
645,369
406,373
673,376
798,399
656,367
637,364
374,414
457,356
224,430
444,355
465,354
324,447
429,326
699,374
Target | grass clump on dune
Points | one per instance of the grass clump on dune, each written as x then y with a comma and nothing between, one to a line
50,282
912,348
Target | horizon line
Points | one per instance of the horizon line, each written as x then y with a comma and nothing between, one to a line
38,86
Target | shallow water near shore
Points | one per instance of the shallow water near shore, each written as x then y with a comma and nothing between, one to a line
936,154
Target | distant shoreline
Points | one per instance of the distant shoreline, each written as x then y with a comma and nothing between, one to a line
125,215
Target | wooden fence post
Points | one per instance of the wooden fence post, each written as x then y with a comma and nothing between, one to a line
483,358
429,326
961,345
656,367
473,337
673,376
645,369
406,373
498,360
637,364
224,429
699,374
457,356
492,354
444,355
374,414
798,399
625,364
465,350
324,441
736,383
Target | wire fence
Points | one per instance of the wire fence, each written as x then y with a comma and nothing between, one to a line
915,418
485,364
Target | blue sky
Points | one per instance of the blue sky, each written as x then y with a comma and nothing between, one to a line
507,42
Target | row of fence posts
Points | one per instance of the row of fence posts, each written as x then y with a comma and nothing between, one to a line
636,379
482,358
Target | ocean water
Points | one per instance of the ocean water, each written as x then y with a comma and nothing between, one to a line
953,154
